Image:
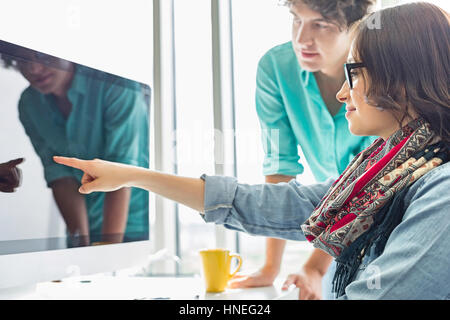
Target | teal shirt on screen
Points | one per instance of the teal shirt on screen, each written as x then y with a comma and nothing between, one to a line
109,121
292,112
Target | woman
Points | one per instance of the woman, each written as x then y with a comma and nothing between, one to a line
385,219
296,104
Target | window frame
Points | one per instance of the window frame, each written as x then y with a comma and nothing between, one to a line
165,226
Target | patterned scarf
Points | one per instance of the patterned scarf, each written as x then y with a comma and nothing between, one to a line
347,214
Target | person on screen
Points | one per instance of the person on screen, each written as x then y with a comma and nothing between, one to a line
10,175
384,220
296,105
77,111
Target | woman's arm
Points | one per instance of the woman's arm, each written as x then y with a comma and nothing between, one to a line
108,176
274,210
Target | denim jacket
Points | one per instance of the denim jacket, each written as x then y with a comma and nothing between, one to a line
415,263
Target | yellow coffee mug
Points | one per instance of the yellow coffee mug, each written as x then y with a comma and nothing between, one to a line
216,268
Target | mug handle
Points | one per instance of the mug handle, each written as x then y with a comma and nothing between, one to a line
238,267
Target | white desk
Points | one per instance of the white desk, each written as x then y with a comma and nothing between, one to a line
130,288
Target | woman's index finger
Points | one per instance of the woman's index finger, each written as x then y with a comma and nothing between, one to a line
70,162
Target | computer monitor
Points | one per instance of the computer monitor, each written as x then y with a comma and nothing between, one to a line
51,106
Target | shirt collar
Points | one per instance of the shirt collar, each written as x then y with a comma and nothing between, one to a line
305,76
78,85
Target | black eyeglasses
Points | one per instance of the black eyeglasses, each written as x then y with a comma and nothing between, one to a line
348,68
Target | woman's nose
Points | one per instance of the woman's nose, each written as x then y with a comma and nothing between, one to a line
343,93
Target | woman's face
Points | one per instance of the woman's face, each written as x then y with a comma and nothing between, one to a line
318,44
364,119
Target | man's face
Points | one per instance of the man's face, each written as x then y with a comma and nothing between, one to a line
43,78
319,44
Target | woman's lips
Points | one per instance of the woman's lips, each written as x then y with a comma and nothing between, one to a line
349,110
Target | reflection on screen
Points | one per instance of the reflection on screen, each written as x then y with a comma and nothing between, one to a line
51,106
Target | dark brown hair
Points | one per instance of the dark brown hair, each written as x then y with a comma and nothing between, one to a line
406,52
343,12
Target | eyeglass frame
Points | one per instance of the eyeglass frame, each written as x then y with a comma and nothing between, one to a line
347,68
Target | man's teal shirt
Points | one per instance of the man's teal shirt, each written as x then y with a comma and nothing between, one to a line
109,120
292,112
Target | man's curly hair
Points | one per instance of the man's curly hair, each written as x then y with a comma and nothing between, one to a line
7,61
343,12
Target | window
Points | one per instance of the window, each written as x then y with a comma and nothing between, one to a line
258,25
205,80
194,119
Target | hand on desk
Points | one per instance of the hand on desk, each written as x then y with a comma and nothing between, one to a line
260,278
309,281
10,175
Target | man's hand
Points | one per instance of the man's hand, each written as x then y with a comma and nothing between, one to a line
260,278
10,175
309,281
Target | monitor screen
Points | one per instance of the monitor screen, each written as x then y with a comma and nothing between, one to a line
51,106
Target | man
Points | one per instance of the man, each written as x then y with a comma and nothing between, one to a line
296,104
74,110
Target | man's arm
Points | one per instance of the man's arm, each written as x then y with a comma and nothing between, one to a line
309,280
115,214
314,269
274,247
72,207
280,161
274,253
